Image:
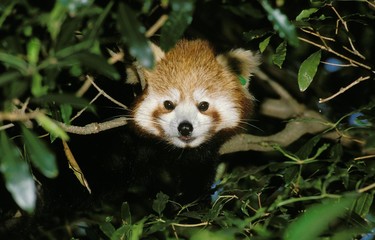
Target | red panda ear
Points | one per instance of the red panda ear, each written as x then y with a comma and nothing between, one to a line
242,63
136,73
158,53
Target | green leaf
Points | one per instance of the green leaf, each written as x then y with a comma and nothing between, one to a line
306,13
9,77
263,45
125,213
307,148
219,235
278,57
308,70
137,230
133,34
14,62
37,87
50,126
33,50
17,176
316,219
98,24
66,112
178,20
107,227
67,37
69,99
363,204
160,202
98,64
281,24
55,19
122,232
255,34
41,157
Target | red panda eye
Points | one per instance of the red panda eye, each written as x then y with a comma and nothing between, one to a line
169,105
203,106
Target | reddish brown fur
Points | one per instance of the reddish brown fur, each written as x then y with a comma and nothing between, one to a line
196,61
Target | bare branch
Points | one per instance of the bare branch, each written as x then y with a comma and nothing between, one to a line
18,116
342,90
93,128
328,49
158,24
91,79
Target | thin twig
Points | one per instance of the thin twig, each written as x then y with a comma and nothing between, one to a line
84,109
344,23
336,64
365,189
94,128
364,157
158,24
91,79
328,49
203,224
343,89
83,89
6,126
318,35
18,116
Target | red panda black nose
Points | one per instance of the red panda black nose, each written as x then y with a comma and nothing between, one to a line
185,128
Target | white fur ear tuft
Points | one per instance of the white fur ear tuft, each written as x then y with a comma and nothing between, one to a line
158,53
240,62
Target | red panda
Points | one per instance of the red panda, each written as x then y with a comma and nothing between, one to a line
192,95
193,101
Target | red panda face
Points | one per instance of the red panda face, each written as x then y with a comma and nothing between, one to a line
191,95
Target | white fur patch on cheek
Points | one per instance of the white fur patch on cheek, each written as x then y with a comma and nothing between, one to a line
144,115
229,115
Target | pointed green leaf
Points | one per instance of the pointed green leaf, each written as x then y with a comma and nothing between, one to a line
281,24
50,126
137,230
17,176
14,62
306,13
134,36
123,232
363,204
9,77
41,157
160,202
125,213
263,45
316,219
55,19
98,64
66,112
37,87
308,70
107,228
178,20
278,57
33,50
70,99
307,148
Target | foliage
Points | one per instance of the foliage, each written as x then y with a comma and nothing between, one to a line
315,188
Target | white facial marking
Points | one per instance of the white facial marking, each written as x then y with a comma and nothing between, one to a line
230,117
186,110
143,116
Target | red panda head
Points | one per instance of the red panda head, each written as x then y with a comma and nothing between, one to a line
191,94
